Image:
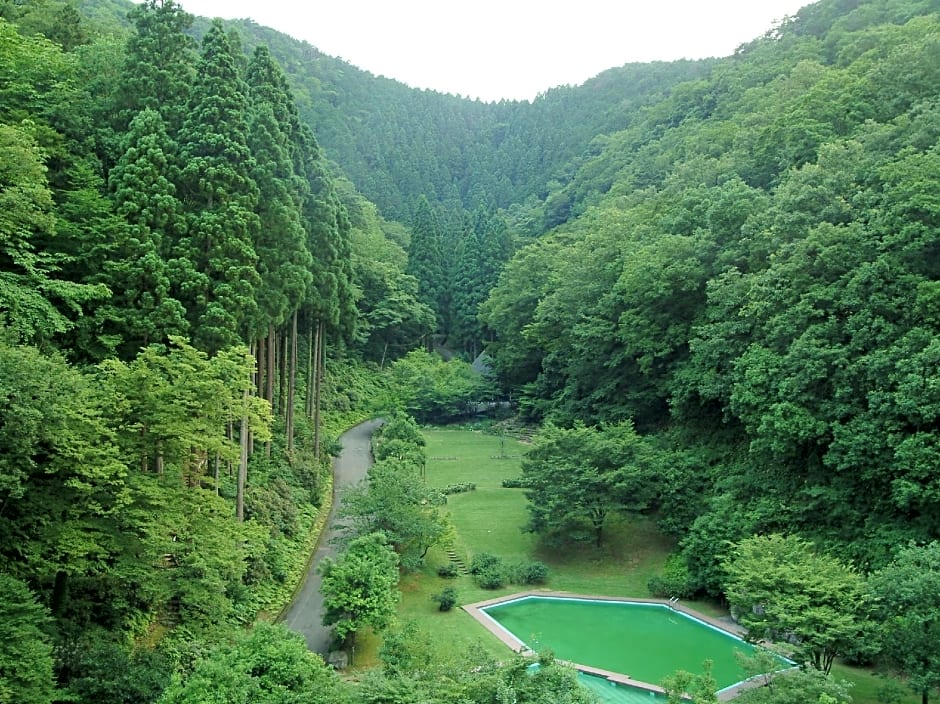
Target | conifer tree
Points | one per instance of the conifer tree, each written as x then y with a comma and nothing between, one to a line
284,261
425,259
330,306
142,309
216,262
160,64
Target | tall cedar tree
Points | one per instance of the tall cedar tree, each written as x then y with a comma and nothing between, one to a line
284,260
160,65
425,259
216,263
142,309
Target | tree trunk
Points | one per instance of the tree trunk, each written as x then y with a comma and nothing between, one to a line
308,396
242,462
291,385
158,460
260,362
317,381
282,376
269,380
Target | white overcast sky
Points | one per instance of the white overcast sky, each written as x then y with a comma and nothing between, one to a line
492,49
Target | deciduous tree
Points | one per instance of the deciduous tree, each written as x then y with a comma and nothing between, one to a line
782,589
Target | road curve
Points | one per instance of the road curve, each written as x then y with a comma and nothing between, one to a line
305,613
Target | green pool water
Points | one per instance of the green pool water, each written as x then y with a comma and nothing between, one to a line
647,642
610,693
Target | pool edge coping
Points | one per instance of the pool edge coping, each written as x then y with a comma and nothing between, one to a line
475,610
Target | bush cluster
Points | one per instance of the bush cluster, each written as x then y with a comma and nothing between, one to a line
492,572
518,483
448,571
459,488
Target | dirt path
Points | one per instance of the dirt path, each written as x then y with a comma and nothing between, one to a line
305,613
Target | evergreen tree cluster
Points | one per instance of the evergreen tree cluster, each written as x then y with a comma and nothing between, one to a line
180,274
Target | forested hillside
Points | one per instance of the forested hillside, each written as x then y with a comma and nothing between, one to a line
752,278
723,274
187,295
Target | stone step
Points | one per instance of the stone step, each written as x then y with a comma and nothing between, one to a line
453,557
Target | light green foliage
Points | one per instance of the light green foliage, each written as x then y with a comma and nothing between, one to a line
792,686
433,390
414,673
906,595
360,587
266,665
25,649
395,501
699,689
783,590
61,479
34,298
576,477
176,403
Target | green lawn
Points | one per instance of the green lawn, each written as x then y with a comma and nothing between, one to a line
491,519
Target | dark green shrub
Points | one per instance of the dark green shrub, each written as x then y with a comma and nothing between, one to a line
492,577
518,483
485,561
675,580
535,572
448,571
446,600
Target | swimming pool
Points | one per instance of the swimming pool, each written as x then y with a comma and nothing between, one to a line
638,643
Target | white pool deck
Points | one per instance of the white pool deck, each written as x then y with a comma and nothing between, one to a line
476,611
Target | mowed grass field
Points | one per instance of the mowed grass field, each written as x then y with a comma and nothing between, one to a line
492,518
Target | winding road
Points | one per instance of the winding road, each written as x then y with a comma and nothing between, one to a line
305,613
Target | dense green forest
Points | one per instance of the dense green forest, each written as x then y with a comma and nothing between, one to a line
715,283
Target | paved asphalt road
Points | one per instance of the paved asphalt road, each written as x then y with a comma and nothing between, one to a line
304,615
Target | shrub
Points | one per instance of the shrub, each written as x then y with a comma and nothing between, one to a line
459,488
491,578
518,483
675,581
448,571
446,600
535,572
484,561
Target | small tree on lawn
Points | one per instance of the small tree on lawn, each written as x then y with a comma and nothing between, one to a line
907,598
782,589
577,476
360,587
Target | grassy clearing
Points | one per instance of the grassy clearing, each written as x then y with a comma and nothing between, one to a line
491,519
